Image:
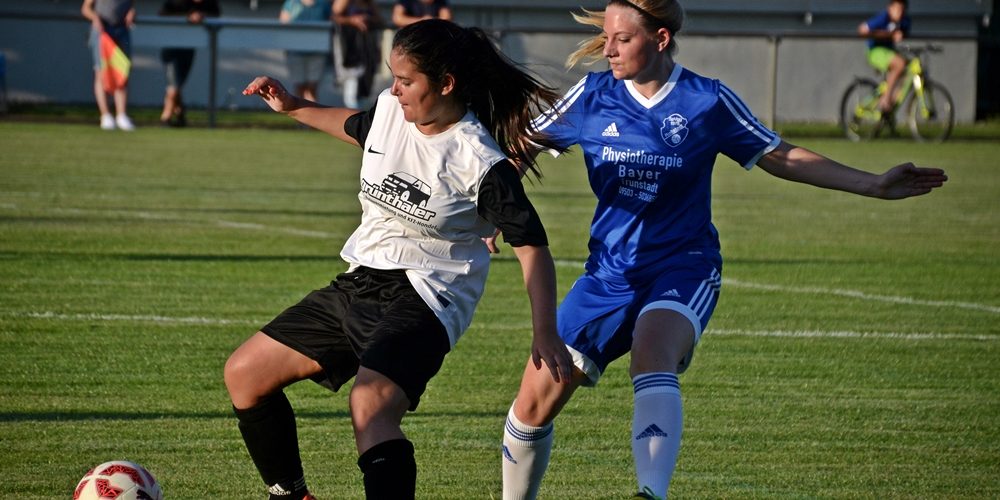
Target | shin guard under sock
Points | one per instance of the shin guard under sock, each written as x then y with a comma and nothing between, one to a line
390,471
269,432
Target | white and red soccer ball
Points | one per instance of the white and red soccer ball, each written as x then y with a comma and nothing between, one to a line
119,480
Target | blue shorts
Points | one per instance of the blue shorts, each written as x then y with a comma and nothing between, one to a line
597,317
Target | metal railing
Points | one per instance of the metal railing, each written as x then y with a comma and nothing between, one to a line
254,33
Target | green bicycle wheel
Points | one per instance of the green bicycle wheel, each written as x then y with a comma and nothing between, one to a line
931,113
860,117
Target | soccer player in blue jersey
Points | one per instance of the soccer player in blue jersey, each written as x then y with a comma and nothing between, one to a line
650,131
884,30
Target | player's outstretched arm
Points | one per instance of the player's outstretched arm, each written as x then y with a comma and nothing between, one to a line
317,116
799,164
539,272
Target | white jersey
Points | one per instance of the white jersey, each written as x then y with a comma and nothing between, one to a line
418,198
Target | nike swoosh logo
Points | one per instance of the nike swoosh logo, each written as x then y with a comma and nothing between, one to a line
370,150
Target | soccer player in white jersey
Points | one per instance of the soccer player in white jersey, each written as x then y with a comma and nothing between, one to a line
650,131
435,178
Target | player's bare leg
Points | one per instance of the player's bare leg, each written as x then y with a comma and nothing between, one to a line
262,366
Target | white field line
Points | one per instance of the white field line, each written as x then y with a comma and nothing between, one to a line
288,230
150,318
863,296
510,327
165,217
579,265
855,294
711,332
811,334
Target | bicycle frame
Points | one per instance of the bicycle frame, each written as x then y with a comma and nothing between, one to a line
912,81
916,96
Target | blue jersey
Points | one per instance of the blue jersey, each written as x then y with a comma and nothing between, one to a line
881,21
650,164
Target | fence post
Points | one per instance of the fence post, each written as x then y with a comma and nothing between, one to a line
3,83
772,108
213,67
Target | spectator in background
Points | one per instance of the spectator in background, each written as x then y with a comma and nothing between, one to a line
177,60
356,52
305,68
407,12
883,31
116,18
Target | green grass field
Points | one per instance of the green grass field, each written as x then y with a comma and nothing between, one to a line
855,352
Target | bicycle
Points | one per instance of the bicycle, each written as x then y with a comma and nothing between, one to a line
930,111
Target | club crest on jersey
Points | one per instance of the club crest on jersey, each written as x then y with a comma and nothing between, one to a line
402,192
674,130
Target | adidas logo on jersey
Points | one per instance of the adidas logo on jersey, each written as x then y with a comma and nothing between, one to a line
671,293
611,131
651,432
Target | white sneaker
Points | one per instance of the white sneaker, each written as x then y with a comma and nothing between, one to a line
107,122
124,123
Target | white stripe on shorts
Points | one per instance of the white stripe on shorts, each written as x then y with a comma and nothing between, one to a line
697,307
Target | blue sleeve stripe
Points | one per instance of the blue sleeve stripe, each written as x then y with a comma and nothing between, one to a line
550,116
744,116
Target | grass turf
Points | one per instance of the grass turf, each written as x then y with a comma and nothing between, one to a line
853,353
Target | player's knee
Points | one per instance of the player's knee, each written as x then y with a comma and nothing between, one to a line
238,375
531,411
371,403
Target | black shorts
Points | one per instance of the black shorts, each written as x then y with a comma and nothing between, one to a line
177,65
369,318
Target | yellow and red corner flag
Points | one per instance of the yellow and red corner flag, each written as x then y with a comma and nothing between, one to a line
115,64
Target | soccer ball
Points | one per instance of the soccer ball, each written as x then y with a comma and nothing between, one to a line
119,480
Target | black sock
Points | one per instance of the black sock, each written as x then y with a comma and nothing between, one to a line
268,430
390,471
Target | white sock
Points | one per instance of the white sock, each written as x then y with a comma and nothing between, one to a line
656,429
526,451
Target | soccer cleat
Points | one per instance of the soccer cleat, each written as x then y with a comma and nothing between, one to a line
646,494
107,122
309,496
124,123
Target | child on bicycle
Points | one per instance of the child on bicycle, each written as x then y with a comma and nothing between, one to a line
884,30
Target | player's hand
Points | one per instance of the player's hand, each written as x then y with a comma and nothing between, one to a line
906,180
491,242
272,92
553,351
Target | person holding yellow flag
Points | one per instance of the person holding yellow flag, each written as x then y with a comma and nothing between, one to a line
110,42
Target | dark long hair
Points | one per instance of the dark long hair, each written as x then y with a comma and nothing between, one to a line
504,97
